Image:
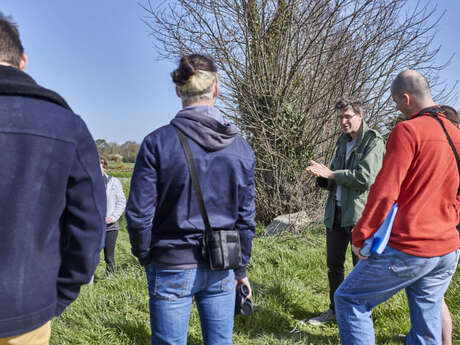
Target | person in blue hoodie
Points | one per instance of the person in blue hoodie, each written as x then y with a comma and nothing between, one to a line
52,200
163,216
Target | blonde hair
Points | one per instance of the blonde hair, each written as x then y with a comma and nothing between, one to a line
200,85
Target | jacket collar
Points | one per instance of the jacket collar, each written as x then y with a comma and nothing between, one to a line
14,82
434,110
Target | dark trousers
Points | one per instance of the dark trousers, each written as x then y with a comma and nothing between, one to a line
337,240
109,249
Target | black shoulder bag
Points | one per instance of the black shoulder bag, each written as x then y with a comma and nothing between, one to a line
220,247
457,158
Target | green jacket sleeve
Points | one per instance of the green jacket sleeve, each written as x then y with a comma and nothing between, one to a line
362,176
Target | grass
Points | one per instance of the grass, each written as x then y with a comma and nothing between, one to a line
119,169
289,278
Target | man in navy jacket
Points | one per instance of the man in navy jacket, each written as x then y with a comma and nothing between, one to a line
163,215
52,200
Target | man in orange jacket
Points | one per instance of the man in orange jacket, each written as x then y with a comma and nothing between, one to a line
420,173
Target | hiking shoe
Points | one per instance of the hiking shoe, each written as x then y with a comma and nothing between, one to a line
327,316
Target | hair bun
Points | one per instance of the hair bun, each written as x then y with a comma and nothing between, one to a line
185,70
189,65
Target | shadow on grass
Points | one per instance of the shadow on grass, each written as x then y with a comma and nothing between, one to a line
137,332
290,304
251,329
267,322
276,320
127,261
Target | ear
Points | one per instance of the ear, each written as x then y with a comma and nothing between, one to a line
23,62
178,92
407,99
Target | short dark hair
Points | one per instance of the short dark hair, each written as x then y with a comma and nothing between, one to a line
11,48
349,101
451,114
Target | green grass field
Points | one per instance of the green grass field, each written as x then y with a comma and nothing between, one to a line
118,169
289,279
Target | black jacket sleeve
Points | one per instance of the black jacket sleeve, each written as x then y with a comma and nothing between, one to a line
322,182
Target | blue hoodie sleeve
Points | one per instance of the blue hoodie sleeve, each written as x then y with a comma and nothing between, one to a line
246,223
82,222
140,209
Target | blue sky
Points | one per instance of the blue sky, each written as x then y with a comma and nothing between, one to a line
100,58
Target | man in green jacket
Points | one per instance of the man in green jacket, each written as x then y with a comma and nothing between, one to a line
356,163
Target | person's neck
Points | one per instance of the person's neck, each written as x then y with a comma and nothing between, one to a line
423,105
202,102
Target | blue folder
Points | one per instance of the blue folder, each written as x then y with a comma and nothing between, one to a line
376,244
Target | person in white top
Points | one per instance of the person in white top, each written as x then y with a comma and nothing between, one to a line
116,203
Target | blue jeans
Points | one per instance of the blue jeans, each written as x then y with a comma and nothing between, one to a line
375,280
171,293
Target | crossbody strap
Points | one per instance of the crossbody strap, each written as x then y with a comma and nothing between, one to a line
450,143
194,176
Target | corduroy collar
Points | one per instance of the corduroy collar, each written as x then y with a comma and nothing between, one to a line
14,82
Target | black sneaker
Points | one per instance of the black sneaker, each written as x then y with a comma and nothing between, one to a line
327,316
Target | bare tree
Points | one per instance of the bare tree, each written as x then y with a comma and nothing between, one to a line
283,65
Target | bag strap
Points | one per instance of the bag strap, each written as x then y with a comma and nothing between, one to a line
457,158
194,176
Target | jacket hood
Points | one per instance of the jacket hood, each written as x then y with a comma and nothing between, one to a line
203,129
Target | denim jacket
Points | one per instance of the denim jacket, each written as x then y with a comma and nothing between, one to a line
355,176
